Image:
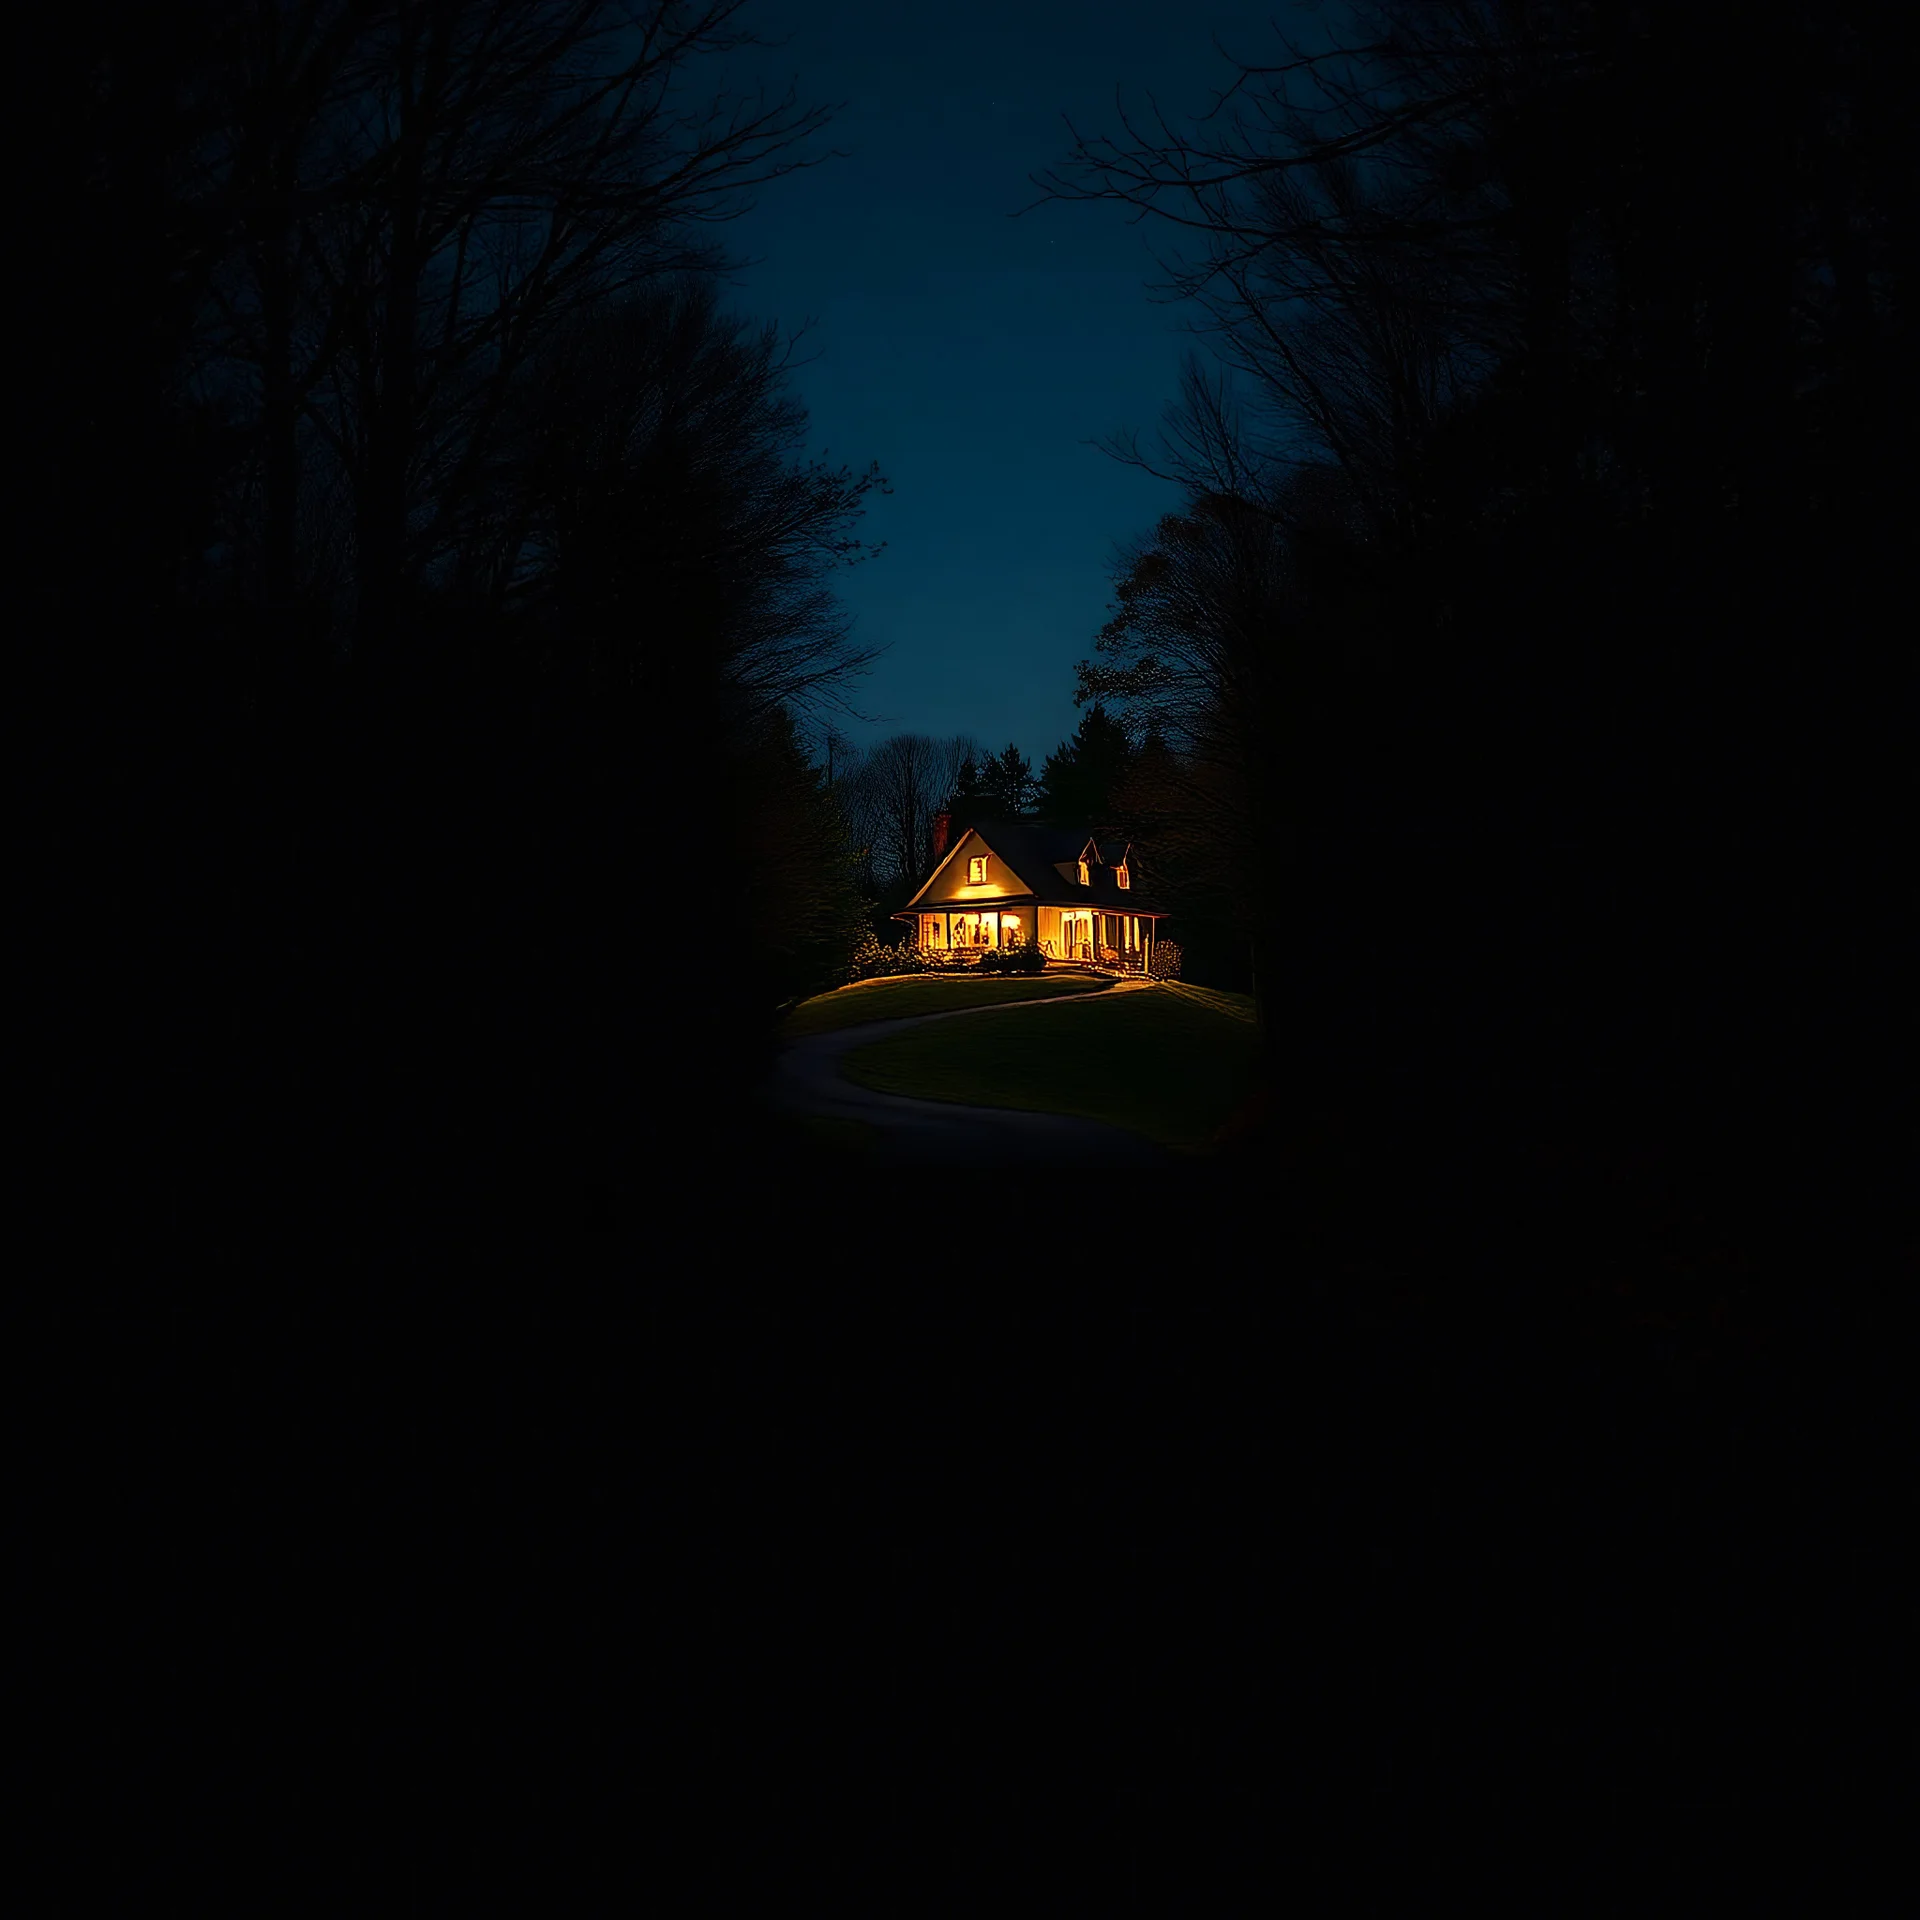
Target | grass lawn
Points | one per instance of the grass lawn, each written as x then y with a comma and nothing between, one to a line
912,993
1238,1006
1170,1064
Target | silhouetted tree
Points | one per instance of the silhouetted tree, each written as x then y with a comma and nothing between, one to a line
1565,316
1007,783
1083,774
971,800
811,901
894,795
459,543
397,211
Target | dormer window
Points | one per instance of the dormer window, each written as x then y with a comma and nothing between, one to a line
1120,874
977,870
1084,881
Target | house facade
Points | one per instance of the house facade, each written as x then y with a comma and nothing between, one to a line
1002,885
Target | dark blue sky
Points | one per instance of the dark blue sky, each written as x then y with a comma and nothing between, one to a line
972,354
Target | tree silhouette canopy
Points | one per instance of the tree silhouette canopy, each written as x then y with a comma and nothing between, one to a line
1526,713
422,540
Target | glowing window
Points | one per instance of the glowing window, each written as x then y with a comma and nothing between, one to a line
1120,874
977,870
1083,874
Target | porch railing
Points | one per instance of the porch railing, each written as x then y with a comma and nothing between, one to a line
1114,960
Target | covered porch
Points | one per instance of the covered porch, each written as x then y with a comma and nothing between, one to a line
973,929
1122,940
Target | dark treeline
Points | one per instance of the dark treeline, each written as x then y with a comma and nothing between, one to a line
1528,640
904,801
431,578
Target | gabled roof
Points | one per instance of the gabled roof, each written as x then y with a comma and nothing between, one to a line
1034,853
1045,861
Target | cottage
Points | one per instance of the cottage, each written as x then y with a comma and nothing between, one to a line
999,885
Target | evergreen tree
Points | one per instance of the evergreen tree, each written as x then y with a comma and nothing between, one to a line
1008,784
971,801
1083,776
817,890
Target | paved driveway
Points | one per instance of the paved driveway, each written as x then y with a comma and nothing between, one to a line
807,1079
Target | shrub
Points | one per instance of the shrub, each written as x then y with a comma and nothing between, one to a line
1025,958
874,959
1164,962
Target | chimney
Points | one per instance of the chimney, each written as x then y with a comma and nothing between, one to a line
941,821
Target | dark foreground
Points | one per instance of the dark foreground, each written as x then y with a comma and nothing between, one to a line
1136,1546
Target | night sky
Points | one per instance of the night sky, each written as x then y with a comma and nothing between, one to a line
975,355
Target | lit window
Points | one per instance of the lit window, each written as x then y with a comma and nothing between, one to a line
977,870
1120,874
1083,874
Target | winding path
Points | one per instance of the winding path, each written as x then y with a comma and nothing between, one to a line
807,1079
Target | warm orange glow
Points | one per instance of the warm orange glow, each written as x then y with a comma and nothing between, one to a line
976,930
1074,941
1064,933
